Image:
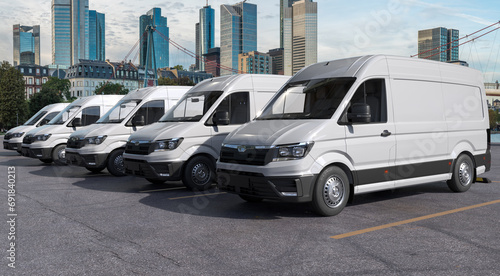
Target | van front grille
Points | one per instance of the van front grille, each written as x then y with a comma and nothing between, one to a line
246,155
138,147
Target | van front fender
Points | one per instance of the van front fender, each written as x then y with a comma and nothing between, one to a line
330,158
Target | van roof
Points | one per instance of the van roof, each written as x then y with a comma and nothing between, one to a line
221,83
408,68
141,93
97,99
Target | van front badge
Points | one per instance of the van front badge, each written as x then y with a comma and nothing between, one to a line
242,148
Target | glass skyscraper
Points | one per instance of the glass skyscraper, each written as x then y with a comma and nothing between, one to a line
97,38
300,36
70,31
26,40
238,32
438,39
160,38
205,34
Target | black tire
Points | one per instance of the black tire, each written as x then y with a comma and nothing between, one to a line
250,198
331,192
199,173
155,181
463,174
95,170
46,161
115,163
59,155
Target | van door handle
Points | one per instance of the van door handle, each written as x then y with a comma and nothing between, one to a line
385,133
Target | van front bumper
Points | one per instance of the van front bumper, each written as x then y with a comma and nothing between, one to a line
161,171
282,188
11,146
86,160
39,153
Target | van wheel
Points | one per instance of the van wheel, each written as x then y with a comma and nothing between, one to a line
331,192
250,198
47,161
463,174
59,155
115,163
199,173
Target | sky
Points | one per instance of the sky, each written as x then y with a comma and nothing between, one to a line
345,28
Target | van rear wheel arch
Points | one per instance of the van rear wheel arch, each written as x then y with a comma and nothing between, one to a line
462,168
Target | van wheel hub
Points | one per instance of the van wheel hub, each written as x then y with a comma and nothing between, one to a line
118,162
464,174
333,191
200,174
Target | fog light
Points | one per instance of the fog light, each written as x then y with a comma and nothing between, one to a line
288,194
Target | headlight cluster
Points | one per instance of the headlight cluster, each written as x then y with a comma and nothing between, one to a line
13,135
95,140
168,144
42,137
292,152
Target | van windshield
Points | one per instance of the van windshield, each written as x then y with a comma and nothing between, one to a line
312,99
67,113
191,107
119,112
35,118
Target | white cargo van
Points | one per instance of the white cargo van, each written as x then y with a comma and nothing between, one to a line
101,145
185,143
48,142
360,125
13,139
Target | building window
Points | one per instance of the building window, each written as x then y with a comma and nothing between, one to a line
44,80
38,70
30,70
37,81
22,70
30,80
37,90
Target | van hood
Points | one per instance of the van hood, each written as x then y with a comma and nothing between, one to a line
275,132
21,128
101,129
163,130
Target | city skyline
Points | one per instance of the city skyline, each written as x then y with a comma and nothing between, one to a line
344,30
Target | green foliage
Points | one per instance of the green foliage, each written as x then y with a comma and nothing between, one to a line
108,88
59,86
494,118
179,81
13,107
179,67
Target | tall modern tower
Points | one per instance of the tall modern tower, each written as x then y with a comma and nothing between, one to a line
160,38
70,31
205,34
438,39
97,40
300,36
26,44
284,4
238,33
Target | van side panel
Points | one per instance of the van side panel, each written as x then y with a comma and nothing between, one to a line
422,139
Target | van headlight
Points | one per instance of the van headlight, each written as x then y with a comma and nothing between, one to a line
168,144
95,140
292,152
42,137
17,134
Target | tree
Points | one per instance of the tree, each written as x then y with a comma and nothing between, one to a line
179,81
13,107
107,88
179,67
493,118
55,90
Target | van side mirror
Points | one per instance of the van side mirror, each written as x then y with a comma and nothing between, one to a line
360,113
76,122
138,120
43,122
221,117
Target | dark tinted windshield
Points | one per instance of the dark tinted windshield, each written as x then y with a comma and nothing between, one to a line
191,107
35,118
313,99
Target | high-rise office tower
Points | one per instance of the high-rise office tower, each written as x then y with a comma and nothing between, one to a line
70,31
284,4
205,34
97,39
300,36
154,19
26,44
238,33
439,44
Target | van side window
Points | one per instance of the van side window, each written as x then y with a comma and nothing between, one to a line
237,104
373,93
90,115
152,111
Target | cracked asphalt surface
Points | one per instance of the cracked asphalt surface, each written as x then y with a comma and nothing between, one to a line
73,222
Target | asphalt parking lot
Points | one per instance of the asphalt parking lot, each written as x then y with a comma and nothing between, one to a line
68,221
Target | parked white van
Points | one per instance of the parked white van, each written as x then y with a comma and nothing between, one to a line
360,125
185,143
48,142
101,145
13,139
